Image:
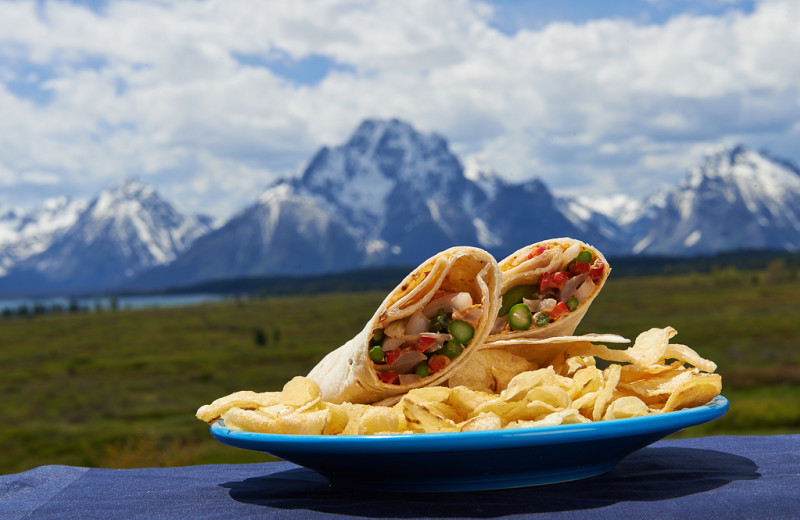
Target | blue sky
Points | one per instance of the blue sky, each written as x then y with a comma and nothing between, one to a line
210,100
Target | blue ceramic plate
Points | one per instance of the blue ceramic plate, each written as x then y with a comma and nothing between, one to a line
463,461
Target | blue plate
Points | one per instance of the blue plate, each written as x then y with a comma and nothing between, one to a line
462,461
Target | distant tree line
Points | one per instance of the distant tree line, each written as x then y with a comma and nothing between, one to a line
73,306
753,266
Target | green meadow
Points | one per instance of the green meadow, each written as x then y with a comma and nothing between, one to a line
120,388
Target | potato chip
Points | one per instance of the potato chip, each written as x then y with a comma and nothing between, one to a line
426,410
304,423
529,396
585,404
572,416
424,418
536,410
650,348
553,395
569,416
694,392
553,419
300,392
464,400
489,370
687,355
660,384
482,421
625,408
506,410
244,399
571,364
635,373
586,380
429,394
354,413
502,376
264,420
338,418
611,376
380,419
521,384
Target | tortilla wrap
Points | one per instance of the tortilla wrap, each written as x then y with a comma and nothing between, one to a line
347,374
530,264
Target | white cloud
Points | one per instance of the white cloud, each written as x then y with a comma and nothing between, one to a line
155,89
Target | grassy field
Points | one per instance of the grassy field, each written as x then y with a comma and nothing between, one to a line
120,389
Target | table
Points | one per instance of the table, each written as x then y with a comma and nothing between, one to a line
709,477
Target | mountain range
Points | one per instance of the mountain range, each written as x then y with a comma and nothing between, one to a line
388,196
102,243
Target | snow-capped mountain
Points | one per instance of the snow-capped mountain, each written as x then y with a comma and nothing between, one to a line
735,199
620,218
122,231
406,196
388,196
402,193
281,233
26,232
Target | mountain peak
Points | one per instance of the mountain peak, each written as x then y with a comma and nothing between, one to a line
736,198
369,129
383,161
751,173
130,187
124,229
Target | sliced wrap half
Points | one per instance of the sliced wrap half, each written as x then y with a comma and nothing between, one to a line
552,284
427,327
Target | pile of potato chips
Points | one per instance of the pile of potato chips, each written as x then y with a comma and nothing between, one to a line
652,376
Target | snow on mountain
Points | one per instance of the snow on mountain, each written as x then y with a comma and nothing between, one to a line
26,232
402,193
736,198
406,196
620,208
281,233
601,221
389,195
123,230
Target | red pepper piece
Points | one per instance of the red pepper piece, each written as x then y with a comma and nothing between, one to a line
553,280
424,343
536,252
580,267
597,270
391,356
559,310
388,377
438,362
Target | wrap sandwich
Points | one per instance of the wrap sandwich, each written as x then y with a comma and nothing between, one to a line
546,290
427,327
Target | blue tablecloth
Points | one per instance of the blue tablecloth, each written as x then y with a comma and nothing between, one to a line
710,477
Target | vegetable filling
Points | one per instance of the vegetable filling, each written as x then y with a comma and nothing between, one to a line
407,350
555,295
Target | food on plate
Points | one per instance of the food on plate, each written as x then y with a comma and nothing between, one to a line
650,377
427,327
547,289
465,344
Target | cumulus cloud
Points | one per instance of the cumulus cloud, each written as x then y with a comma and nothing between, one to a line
184,94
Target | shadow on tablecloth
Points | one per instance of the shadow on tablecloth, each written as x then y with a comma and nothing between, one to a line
652,474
